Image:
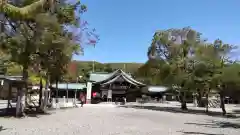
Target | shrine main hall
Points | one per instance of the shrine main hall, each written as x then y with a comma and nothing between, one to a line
112,86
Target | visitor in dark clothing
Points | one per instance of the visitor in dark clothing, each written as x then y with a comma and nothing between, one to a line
82,98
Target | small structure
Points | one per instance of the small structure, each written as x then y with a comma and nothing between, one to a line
6,82
114,86
70,90
12,88
155,89
156,92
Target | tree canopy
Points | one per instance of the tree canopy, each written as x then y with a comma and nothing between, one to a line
183,60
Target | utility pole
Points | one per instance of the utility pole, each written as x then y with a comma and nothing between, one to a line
93,66
124,67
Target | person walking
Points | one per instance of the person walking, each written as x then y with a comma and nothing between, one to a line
82,98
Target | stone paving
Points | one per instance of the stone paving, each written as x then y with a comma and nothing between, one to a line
95,120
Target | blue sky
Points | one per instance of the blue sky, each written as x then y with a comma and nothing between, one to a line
126,27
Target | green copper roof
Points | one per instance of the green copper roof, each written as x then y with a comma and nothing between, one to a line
70,86
97,77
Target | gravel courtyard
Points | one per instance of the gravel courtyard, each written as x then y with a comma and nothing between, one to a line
119,121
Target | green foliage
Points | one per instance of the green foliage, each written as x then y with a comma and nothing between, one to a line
55,47
188,59
14,69
189,63
27,11
150,71
108,68
40,42
35,80
4,63
85,67
231,73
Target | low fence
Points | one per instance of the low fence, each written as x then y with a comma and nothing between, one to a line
64,102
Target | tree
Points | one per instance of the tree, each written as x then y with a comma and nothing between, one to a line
108,68
32,6
192,64
164,43
221,77
4,62
154,72
41,43
174,47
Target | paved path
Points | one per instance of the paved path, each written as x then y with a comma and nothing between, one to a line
119,121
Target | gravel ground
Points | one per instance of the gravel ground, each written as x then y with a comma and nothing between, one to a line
119,121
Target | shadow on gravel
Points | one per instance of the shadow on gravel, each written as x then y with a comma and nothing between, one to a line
11,112
198,133
64,108
37,114
1,128
178,110
217,124
236,111
50,111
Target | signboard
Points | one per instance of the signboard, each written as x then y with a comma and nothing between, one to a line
120,87
89,90
2,81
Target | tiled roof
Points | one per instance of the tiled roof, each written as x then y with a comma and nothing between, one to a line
109,78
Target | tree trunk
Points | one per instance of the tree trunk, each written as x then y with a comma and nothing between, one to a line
40,92
1,89
184,105
51,91
45,100
183,101
199,99
47,89
22,100
222,103
207,103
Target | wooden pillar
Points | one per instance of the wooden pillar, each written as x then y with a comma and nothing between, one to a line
1,89
75,96
67,92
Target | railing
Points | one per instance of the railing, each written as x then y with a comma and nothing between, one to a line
214,103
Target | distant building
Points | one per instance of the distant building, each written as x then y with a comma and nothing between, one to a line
120,84
115,85
71,88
